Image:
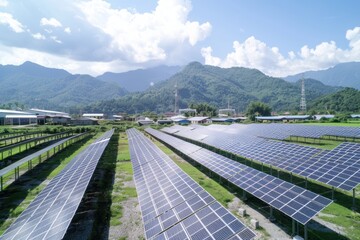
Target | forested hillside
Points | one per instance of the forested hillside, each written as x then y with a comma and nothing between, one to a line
217,86
347,100
36,86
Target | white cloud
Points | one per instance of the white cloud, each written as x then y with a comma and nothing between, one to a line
15,25
67,30
253,53
50,22
143,37
38,36
4,3
56,39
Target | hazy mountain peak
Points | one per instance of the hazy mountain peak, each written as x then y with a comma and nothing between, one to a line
343,74
140,79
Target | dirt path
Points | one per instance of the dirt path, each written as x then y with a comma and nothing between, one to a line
131,226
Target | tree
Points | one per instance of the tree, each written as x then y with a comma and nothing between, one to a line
257,109
204,109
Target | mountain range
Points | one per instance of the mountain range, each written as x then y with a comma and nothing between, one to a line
343,74
198,83
38,86
154,89
141,79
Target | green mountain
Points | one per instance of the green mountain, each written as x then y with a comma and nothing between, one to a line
346,100
343,74
38,86
141,79
201,83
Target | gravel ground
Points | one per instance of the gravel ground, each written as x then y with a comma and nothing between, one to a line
273,231
131,226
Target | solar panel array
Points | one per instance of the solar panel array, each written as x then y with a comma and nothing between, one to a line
339,167
50,213
36,154
296,202
173,205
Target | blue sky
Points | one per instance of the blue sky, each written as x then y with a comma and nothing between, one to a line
279,37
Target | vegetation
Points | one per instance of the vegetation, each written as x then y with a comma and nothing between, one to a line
51,88
257,109
346,101
204,109
215,86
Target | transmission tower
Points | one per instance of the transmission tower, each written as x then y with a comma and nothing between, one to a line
176,98
303,100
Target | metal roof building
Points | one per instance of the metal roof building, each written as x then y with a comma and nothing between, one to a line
283,118
12,117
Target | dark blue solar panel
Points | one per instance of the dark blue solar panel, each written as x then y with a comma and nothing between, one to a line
170,201
50,213
271,190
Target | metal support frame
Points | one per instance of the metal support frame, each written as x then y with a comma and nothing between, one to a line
354,200
271,217
297,228
293,227
244,198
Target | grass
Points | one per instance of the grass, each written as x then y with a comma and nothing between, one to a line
123,173
317,143
340,124
347,219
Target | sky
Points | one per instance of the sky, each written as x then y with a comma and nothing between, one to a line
278,37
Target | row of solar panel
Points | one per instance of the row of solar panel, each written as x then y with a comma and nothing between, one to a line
339,167
298,203
49,215
174,206
36,154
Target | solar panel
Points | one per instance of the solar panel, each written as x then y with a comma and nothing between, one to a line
172,204
34,155
50,213
339,167
296,202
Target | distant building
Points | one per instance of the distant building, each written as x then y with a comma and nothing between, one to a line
51,117
355,115
84,121
181,121
118,117
199,120
222,120
164,121
146,121
11,117
283,118
99,116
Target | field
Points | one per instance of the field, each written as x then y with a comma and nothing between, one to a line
110,210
